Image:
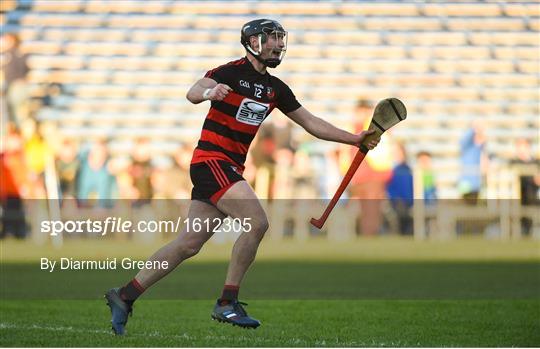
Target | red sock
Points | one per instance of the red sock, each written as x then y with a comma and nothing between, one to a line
131,291
230,293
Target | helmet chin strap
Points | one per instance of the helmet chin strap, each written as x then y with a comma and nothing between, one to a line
269,62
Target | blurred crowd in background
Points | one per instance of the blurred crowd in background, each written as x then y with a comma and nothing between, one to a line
38,162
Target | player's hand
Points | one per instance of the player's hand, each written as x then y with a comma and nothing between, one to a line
362,136
219,92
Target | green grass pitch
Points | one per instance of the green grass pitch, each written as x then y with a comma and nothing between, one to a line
286,323
371,293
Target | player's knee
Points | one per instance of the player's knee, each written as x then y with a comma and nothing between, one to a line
190,251
189,248
260,226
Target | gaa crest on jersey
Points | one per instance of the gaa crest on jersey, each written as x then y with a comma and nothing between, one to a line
251,112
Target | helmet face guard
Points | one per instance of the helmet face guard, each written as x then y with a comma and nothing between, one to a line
264,29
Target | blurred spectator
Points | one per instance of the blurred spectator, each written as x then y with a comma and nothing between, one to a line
38,155
331,174
13,216
424,163
473,162
272,155
67,165
94,179
283,182
141,171
173,181
282,132
529,184
304,174
322,159
369,183
3,113
15,70
262,153
120,167
283,157
37,150
250,171
400,190
52,91
13,183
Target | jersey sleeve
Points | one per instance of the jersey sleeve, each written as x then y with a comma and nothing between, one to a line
286,101
219,74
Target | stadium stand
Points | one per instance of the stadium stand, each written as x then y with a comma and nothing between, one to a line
125,66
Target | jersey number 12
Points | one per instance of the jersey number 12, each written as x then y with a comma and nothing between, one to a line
258,92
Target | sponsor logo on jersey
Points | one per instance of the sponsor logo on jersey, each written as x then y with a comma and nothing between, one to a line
244,83
251,112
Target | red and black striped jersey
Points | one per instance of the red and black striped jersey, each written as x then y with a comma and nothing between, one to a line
231,124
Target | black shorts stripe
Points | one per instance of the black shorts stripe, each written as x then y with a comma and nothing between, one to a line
236,157
205,182
224,131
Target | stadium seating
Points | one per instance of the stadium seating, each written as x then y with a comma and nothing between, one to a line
378,9
461,10
125,66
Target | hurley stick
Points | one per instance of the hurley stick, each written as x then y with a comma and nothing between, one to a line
387,113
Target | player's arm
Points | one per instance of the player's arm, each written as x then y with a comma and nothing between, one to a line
325,130
207,89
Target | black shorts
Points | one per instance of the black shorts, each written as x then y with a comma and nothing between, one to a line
211,179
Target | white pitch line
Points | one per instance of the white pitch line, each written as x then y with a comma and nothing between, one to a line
185,336
4,325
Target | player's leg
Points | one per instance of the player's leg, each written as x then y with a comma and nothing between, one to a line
186,245
240,202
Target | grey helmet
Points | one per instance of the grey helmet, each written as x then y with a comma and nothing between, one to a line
262,28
